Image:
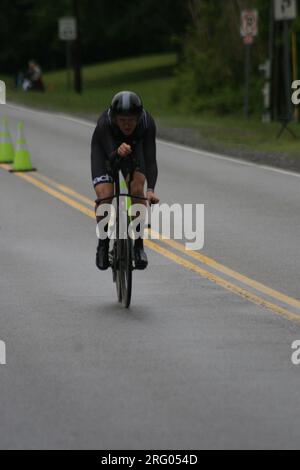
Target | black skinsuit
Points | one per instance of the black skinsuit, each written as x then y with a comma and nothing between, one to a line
105,143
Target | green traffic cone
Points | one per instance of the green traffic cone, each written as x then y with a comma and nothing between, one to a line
22,161
6,147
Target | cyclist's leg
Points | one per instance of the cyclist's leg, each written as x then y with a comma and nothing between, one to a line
103,180
104,190
137,183
137,177
105,194
104,197
134,174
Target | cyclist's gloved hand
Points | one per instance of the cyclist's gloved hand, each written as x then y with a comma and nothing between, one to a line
124,150
152,198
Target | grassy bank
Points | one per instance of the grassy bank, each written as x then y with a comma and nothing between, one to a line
153,78
150,76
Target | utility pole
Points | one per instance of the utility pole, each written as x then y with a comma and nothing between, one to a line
67,31
76,48
295,68
247,79
287,70
249,29
271,60
285,12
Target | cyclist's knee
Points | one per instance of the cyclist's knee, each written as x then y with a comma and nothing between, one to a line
137,187
137,191
137,184
104,193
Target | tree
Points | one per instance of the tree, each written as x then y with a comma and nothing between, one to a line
110,29
212,67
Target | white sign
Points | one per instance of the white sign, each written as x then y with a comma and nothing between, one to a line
2,92
285,10
67,29
249,23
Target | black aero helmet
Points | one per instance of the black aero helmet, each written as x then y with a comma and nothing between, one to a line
126,103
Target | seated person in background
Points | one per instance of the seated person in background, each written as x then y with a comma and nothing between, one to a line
34,81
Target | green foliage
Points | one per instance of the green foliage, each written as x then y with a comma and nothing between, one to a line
215,132
211,73
204,33
151,76
109,29
130,28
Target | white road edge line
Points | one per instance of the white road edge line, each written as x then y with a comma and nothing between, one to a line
163,142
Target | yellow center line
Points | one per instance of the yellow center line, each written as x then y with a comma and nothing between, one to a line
225,284
178,259
66,189
233,274
56,194
197,256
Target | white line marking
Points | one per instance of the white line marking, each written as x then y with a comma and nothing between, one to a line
164,142
229,159
54,114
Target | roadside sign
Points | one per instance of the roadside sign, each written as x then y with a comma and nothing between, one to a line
67,28
248,40
249,23
285,10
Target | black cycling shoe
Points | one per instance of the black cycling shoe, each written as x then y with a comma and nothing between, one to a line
102,259
140,257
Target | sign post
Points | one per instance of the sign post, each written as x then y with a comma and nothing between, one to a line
286,10
67,31
249,29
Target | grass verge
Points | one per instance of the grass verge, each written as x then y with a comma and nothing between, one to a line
153,78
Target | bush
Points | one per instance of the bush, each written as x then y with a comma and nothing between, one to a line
210,76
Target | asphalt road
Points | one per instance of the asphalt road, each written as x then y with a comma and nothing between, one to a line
202,360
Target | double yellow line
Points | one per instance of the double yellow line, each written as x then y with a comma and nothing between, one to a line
237,283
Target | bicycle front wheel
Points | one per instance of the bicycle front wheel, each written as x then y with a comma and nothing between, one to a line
124,272
127,272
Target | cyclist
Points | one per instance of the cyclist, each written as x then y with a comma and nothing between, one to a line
125,138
